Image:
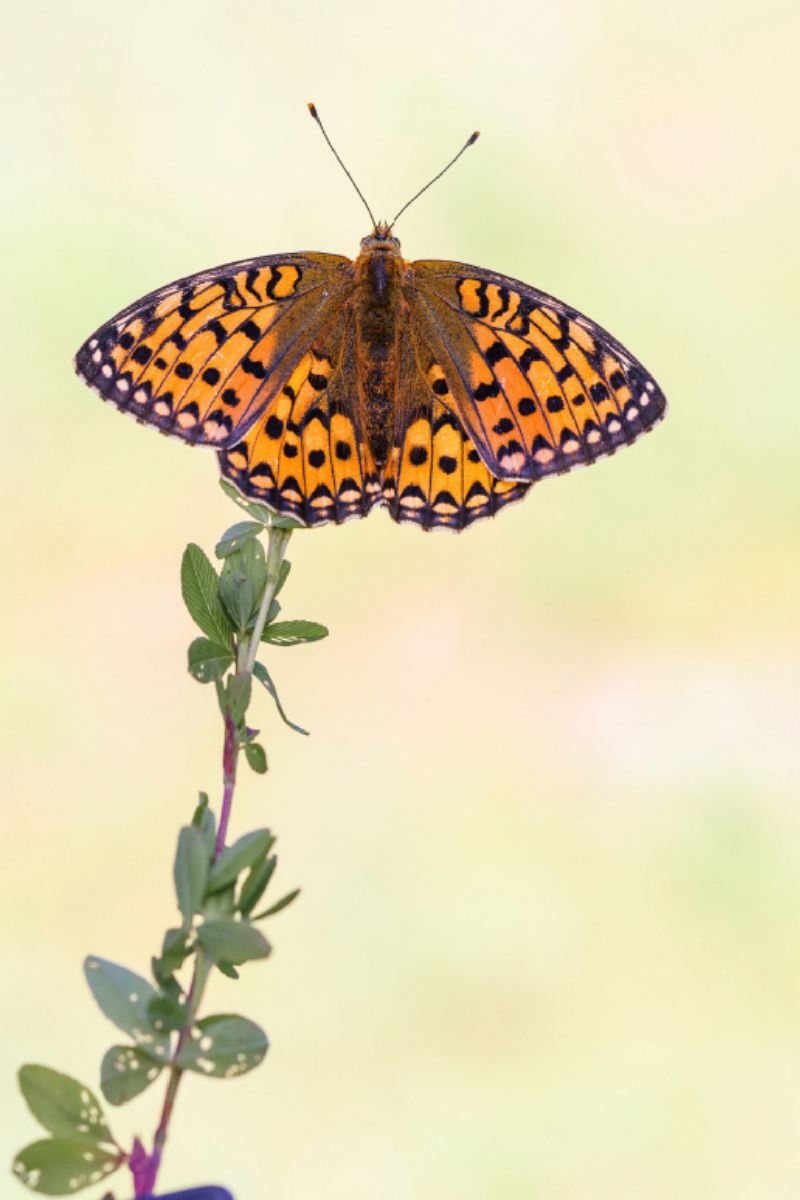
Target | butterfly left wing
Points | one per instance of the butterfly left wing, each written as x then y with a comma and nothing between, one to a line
202,357
305,457
538,387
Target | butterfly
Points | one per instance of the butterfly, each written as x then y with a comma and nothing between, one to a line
329,386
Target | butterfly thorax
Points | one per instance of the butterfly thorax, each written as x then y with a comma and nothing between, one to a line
379,318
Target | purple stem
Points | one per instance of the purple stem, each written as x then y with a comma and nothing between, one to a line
230,754
144,1167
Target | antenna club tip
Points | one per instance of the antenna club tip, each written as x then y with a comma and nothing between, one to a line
474,138
312,108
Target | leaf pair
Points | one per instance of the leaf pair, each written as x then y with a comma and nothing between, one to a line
81,1151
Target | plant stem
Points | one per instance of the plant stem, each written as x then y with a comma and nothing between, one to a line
278,541
201,969
230,757
145,1182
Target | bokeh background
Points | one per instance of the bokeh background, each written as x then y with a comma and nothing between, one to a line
547,824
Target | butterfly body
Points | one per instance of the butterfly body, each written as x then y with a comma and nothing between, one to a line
380,313
329,386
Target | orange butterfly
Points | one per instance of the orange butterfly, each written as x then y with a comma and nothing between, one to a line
328,386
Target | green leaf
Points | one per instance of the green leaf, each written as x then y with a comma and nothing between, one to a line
285,523
254,565
125,1072
220,904
166,1014
204,820
257,511
241,585
226,1046
61,1166
236,593
255,885
64,1106
234,538
283,575
245,851
262,674
236,942
191,871
293,633
208,660
175,949
276,908
227,968
124,997
199,586
256,757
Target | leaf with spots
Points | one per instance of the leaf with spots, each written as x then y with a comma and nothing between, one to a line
233,538
124,998
293,633
208,660
61,1166
127,1071
225,1046
256,757
62,1105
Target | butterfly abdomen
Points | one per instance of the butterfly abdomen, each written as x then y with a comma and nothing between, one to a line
379,270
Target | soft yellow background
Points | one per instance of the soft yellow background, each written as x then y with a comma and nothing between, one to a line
547,823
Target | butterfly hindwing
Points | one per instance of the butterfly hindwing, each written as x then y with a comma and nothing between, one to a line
202,357
304,457
539,387
435,476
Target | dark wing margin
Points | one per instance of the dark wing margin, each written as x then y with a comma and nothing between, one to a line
201,358
540,388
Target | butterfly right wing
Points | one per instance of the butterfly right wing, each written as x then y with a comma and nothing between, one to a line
435,477
539,387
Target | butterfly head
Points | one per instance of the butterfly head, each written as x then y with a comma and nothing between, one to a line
380,241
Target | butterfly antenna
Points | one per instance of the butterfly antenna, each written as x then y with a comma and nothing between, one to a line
315,115
469,142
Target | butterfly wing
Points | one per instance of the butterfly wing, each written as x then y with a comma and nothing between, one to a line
202,358
435,476
306,457
538,387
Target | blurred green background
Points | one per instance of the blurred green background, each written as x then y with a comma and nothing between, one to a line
547,823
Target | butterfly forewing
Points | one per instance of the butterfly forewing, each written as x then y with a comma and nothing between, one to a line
539,387
203,357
